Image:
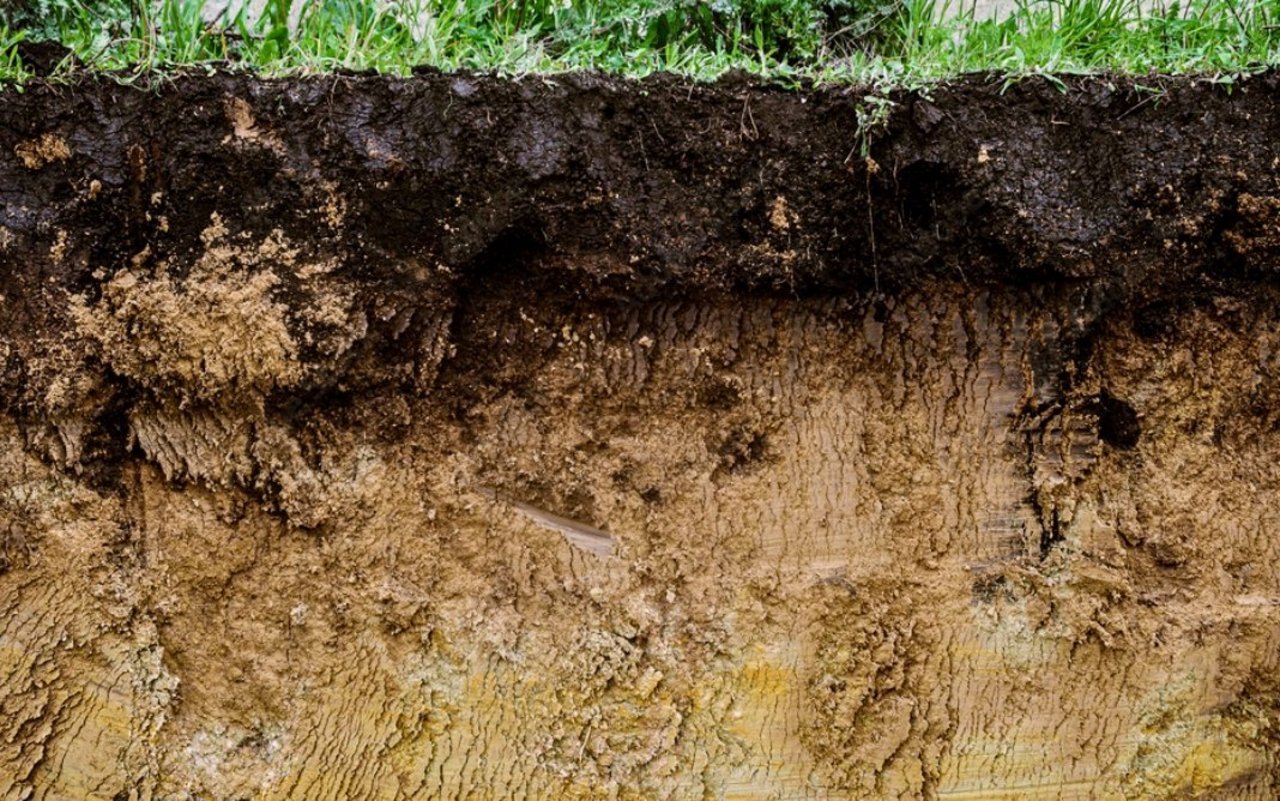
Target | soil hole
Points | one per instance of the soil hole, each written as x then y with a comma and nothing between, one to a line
1117,422
1155,321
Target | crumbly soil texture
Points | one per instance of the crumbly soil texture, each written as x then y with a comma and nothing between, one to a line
571,437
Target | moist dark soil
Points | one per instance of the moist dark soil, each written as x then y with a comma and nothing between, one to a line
604,185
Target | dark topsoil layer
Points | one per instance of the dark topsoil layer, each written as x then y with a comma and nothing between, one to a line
638,187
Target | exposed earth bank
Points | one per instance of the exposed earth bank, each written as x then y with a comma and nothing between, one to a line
573,437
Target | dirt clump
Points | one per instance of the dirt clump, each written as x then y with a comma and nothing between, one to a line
36,153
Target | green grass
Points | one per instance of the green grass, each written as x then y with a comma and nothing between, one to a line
880,42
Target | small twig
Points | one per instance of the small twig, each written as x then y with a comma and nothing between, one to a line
661,138
1135,107
746,117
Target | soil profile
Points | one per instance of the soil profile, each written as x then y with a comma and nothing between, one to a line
458,437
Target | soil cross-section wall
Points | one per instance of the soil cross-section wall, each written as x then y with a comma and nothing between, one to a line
466,438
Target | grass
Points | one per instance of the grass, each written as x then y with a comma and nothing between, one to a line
878,42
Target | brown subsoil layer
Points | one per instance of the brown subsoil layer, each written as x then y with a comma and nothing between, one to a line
573,437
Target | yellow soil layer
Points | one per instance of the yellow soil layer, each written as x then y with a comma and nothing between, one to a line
826,578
